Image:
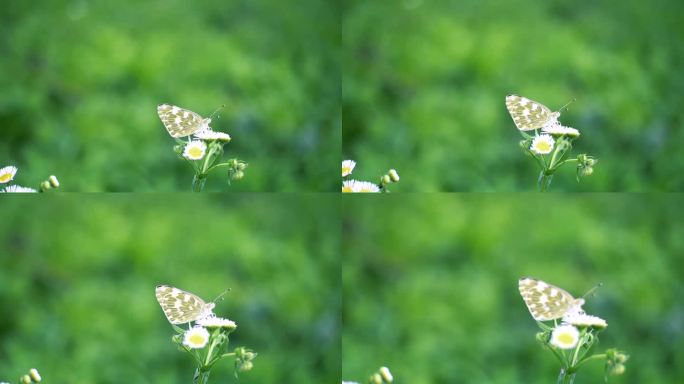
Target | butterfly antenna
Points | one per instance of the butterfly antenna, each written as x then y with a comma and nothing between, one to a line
566,104
216,111
591,291
221,295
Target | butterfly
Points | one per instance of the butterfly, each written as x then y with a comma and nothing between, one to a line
528,114
547,302
182,307
181,122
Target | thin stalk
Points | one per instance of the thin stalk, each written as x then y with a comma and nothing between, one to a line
201,377
565,377
544,180
198,182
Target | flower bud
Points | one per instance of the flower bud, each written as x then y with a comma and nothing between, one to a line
384,180
617,369
53,181
586,171
394,175
26,379
238,175
45,185
34,372
245,366
376,379
386,374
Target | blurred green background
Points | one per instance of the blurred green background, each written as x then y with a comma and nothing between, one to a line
81,81
424,85
430,286
77,278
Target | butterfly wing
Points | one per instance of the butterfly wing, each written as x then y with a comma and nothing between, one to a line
527,114
545,301
179,306
178,121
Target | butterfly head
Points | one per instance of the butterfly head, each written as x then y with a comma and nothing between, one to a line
205,124
576,306
207,310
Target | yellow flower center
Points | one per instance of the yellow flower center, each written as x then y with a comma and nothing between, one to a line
543,146
196,339
195,152
346,189
346,171
5,177
566,338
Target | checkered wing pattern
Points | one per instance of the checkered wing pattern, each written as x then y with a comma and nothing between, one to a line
181,307
180,122
545,301
528,114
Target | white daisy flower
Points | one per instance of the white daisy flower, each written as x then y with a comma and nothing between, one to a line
196,337
18,189
565,336
195,150
348,167
542,144
349,186
584,320
208,134
366,187
557,129
7,174
216,322
35,375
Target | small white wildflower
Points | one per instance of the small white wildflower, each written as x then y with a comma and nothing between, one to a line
7,174
195,150
348,167
216,322
35,375
584,320
557,129
542,144
355,186
349,186
196,337
565,336
366,187
18,189
208,134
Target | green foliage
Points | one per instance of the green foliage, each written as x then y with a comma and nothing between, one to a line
78,276
424,85
430,285
82,80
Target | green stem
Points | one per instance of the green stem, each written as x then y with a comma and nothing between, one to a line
563,162
201,376
198,182
544,180
593,357
218,165
565,377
